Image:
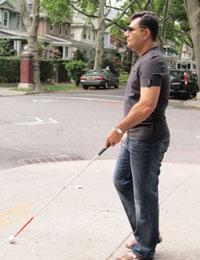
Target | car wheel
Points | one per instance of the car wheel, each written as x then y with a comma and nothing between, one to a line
85,87
117,84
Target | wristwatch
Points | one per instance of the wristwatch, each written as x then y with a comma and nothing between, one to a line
119,131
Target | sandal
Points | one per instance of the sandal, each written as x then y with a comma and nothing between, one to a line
133,243
132,256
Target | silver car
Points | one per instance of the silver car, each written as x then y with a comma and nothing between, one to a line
99,78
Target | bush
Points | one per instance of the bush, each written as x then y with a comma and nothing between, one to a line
108,63
75,69
46,69
55,54
9,69
126,66
62,73
6,48
78,55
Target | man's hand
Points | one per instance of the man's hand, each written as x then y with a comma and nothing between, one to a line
113,138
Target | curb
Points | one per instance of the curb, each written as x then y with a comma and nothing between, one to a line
192,103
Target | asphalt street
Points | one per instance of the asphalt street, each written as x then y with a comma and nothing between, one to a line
73,126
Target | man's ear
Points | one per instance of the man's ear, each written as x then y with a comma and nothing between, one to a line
147,34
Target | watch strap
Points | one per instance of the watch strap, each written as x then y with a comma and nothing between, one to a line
119,131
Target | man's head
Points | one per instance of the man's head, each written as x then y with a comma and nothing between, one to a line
142,32
148,20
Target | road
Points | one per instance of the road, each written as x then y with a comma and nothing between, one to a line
74,126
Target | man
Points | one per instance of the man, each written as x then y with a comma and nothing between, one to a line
138,165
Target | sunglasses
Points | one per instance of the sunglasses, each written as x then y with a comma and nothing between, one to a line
131,29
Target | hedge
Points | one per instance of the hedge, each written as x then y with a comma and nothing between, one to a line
10,70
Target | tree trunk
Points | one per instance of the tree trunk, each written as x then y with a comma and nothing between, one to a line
182,44
193,12
100,37
165,23
31,25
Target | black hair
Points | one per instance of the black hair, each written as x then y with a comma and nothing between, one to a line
148,20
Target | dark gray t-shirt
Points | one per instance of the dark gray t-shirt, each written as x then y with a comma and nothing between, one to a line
149,70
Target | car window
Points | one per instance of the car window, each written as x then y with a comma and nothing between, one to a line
95,72
177,74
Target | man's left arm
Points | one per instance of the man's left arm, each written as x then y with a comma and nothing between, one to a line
139,112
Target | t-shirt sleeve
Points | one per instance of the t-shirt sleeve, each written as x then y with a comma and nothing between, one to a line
151,72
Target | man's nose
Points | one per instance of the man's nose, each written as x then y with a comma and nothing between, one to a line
126,35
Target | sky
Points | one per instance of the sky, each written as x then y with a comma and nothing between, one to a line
117,3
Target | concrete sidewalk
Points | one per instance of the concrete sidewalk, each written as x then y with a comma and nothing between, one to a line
86,221
10,91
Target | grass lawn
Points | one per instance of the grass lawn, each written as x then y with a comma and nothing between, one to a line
59,87
123,78
65,86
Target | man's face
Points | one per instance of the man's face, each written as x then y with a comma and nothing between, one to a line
135,35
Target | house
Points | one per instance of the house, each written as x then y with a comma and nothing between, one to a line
66,37
11,26
57,34
86,32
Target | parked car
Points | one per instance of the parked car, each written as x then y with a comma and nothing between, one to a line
183,83
99,78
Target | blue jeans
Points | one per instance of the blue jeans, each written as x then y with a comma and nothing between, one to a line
136,180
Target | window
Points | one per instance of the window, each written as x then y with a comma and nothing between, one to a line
0,18
72,33
5,19
94,36
51,28
18,23
66,30
177,74
60,29
89,34
84,34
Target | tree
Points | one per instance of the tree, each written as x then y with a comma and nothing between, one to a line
59,10
193,12
31,22
172,17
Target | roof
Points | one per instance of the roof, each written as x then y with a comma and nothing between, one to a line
58,41
9,5
82,44
17,35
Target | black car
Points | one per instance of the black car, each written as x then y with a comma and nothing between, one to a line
183,83
99,78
